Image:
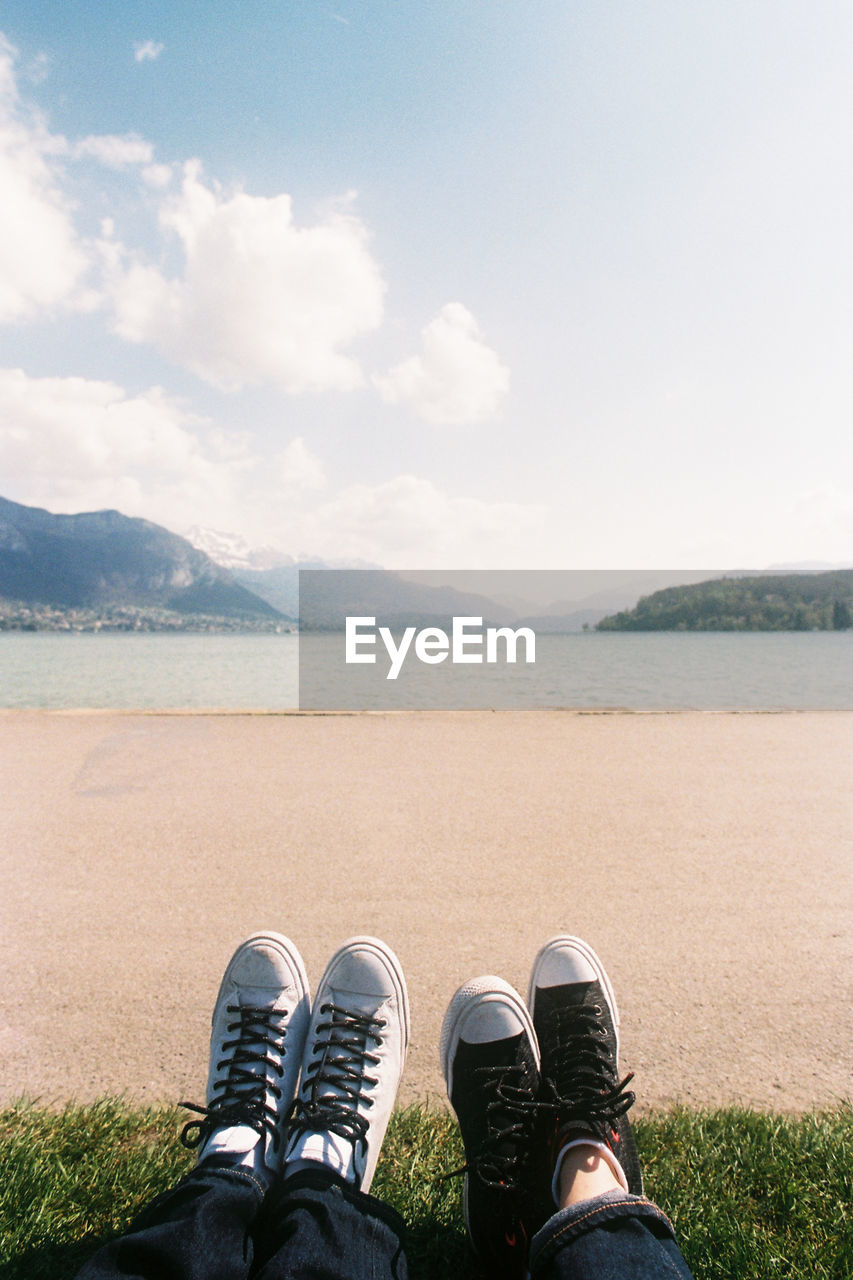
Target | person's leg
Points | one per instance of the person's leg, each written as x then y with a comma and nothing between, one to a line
202,1228
319,1221
601,1225
198,1230
321,1227
613,1236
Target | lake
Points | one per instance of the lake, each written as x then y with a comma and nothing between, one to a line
705,671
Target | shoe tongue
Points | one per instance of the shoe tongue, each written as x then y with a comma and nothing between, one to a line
569,995
491,1053
364,1004
259,997
512,1052
346,1158
234,1140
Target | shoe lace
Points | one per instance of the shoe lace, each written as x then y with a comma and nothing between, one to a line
511,1111
581,1085
331,1092
244,1090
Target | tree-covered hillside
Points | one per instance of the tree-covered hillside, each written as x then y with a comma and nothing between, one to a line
770,602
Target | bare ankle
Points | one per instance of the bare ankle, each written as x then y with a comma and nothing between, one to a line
584,1173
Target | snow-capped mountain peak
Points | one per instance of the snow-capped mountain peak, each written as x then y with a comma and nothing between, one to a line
232,551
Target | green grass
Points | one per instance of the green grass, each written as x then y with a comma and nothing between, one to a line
751,1194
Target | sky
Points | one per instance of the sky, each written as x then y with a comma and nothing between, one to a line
457,285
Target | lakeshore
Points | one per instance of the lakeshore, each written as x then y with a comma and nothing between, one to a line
705,856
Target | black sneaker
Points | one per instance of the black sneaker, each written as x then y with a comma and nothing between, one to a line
491,1065
257,1037
577,1023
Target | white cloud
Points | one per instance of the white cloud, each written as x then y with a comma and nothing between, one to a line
457,378
147,50
38,69
76,443
42,261
260,299
297,468
115,151
408,522
157,175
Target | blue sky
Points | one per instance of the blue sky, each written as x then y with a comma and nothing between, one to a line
463,285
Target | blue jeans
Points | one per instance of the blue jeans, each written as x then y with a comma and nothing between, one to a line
615,1236
216,1225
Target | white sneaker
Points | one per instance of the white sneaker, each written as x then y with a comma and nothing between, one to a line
353,1062
260,1021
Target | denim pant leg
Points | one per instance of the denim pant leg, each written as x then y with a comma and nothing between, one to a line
614,1236
198,1230
316,1227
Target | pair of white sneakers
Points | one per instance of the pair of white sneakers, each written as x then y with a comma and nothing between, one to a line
291,1084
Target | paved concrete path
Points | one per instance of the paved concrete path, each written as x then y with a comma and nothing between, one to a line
706,857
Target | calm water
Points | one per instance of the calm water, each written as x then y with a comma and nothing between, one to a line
705,671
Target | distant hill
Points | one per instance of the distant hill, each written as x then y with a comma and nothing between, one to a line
767,602
555,601
335,593
102,559
279,584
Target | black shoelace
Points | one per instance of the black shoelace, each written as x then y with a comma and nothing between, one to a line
582,1085
331,1091
243,1090
511,1112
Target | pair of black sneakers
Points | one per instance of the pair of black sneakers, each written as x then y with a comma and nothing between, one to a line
526,1080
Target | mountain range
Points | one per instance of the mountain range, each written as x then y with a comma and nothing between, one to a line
103,559
104,562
